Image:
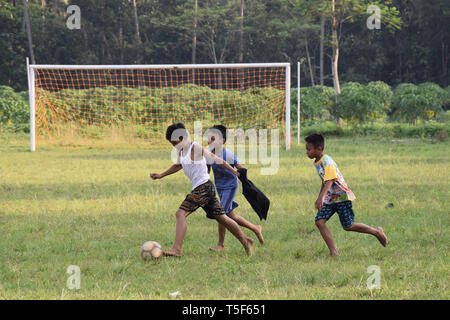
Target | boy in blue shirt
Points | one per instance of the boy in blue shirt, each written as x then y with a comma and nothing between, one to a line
227,184
334,196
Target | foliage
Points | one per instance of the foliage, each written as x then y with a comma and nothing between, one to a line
142,106
13,107
447,101
359,103
434,130
272,31
411,103
316,103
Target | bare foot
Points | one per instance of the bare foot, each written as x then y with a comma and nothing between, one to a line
217,248
334,253
172,253
382,237
249,247
259,234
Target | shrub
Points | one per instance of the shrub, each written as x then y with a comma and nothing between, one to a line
447,100
316,103
441,135
327,129
435,130
13,108
382,93
411,103
436,91
358,103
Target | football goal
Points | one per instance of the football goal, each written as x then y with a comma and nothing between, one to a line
131,105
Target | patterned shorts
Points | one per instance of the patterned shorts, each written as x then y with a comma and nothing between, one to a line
203,196
344,210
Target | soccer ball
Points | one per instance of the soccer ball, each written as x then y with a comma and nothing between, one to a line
151,250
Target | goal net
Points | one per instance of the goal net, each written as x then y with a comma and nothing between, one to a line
131,106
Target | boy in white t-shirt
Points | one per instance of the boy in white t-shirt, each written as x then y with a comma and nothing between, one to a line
191,160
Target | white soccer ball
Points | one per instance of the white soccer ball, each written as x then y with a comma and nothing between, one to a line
151,250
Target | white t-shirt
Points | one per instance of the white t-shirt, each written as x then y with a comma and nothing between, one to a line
195,170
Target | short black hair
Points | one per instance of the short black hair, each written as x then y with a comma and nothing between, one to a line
316,139
222,129
177,128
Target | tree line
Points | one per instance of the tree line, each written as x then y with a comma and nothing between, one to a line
332,38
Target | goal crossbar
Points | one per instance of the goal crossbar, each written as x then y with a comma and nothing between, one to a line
160,66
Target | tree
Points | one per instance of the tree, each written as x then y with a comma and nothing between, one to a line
194,32
322,36
217,27
28,26
344,11
241,32
171,31
136,23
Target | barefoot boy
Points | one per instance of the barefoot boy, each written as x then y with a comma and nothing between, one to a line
191,160
334,196
227,184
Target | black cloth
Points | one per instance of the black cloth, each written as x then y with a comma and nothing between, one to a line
259,202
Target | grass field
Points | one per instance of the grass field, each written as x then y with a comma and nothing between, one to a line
94,208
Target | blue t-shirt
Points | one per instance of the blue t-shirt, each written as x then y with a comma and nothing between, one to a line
223,178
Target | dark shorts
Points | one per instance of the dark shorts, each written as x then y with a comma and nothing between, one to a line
344,210
203,196
227,199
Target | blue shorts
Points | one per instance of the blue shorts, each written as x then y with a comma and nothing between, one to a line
227,199
344,210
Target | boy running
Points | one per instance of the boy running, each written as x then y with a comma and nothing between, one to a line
227,183
334,196
191,160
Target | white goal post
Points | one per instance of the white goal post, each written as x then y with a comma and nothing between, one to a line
36,79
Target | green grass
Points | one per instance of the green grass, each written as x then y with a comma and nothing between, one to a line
94,208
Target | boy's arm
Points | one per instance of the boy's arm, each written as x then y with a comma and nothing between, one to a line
326,185
174,168
219,161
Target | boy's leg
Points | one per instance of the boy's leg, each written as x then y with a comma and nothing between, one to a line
198,197
215,210
221,228
346,216
362,228
233,227
180,232
244,223
326,235
220,244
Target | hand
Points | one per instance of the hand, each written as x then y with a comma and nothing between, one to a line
319,203
237,173
155,176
